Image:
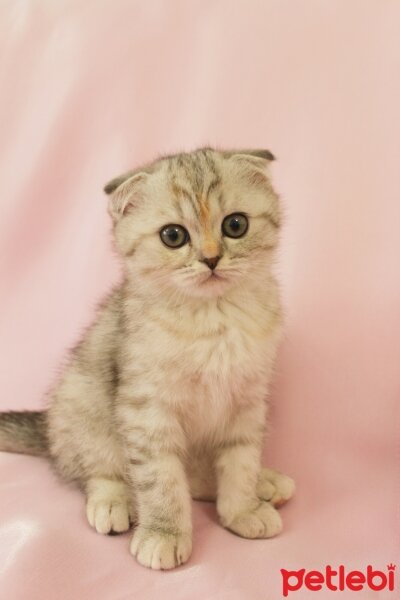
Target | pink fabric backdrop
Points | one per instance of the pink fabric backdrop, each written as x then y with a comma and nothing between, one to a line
92,87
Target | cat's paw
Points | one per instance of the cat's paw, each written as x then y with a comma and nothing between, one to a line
262,522
275,487
159,550
265,488
108,516
108,507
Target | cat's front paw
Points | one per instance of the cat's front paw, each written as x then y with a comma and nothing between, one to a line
275,487
262,522
109,508
159,550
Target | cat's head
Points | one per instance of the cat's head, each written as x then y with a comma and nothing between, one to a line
197,223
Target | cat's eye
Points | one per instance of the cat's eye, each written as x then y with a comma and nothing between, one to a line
174,236
235,225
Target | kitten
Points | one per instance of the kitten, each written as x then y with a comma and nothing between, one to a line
164,399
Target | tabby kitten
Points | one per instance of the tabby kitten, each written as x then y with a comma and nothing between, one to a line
164,399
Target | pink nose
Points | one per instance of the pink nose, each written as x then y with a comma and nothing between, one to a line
211,262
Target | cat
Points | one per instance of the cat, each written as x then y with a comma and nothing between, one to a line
164,398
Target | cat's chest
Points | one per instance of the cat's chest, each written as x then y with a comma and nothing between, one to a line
204,369
225,353
213,352
216,376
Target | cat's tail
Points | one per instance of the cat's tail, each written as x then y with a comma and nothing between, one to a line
24,432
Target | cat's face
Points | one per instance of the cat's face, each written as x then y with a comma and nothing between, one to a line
196,224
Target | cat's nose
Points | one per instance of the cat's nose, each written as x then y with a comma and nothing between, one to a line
211,262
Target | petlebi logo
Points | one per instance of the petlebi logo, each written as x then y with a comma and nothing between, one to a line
338,579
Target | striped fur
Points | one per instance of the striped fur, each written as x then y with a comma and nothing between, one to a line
24,432
164,397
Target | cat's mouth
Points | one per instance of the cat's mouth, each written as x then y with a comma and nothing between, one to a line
213,277
214,283
208,283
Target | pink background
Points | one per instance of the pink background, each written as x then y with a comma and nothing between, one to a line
92,87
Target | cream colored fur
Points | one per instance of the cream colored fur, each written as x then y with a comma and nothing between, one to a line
165,397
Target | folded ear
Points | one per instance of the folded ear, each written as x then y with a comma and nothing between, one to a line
112,185
264,154
125,192
252,165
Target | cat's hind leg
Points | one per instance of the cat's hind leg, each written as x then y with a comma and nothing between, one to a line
109,505
275,487
86,449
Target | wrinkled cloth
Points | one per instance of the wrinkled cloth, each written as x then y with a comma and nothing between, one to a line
90,88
